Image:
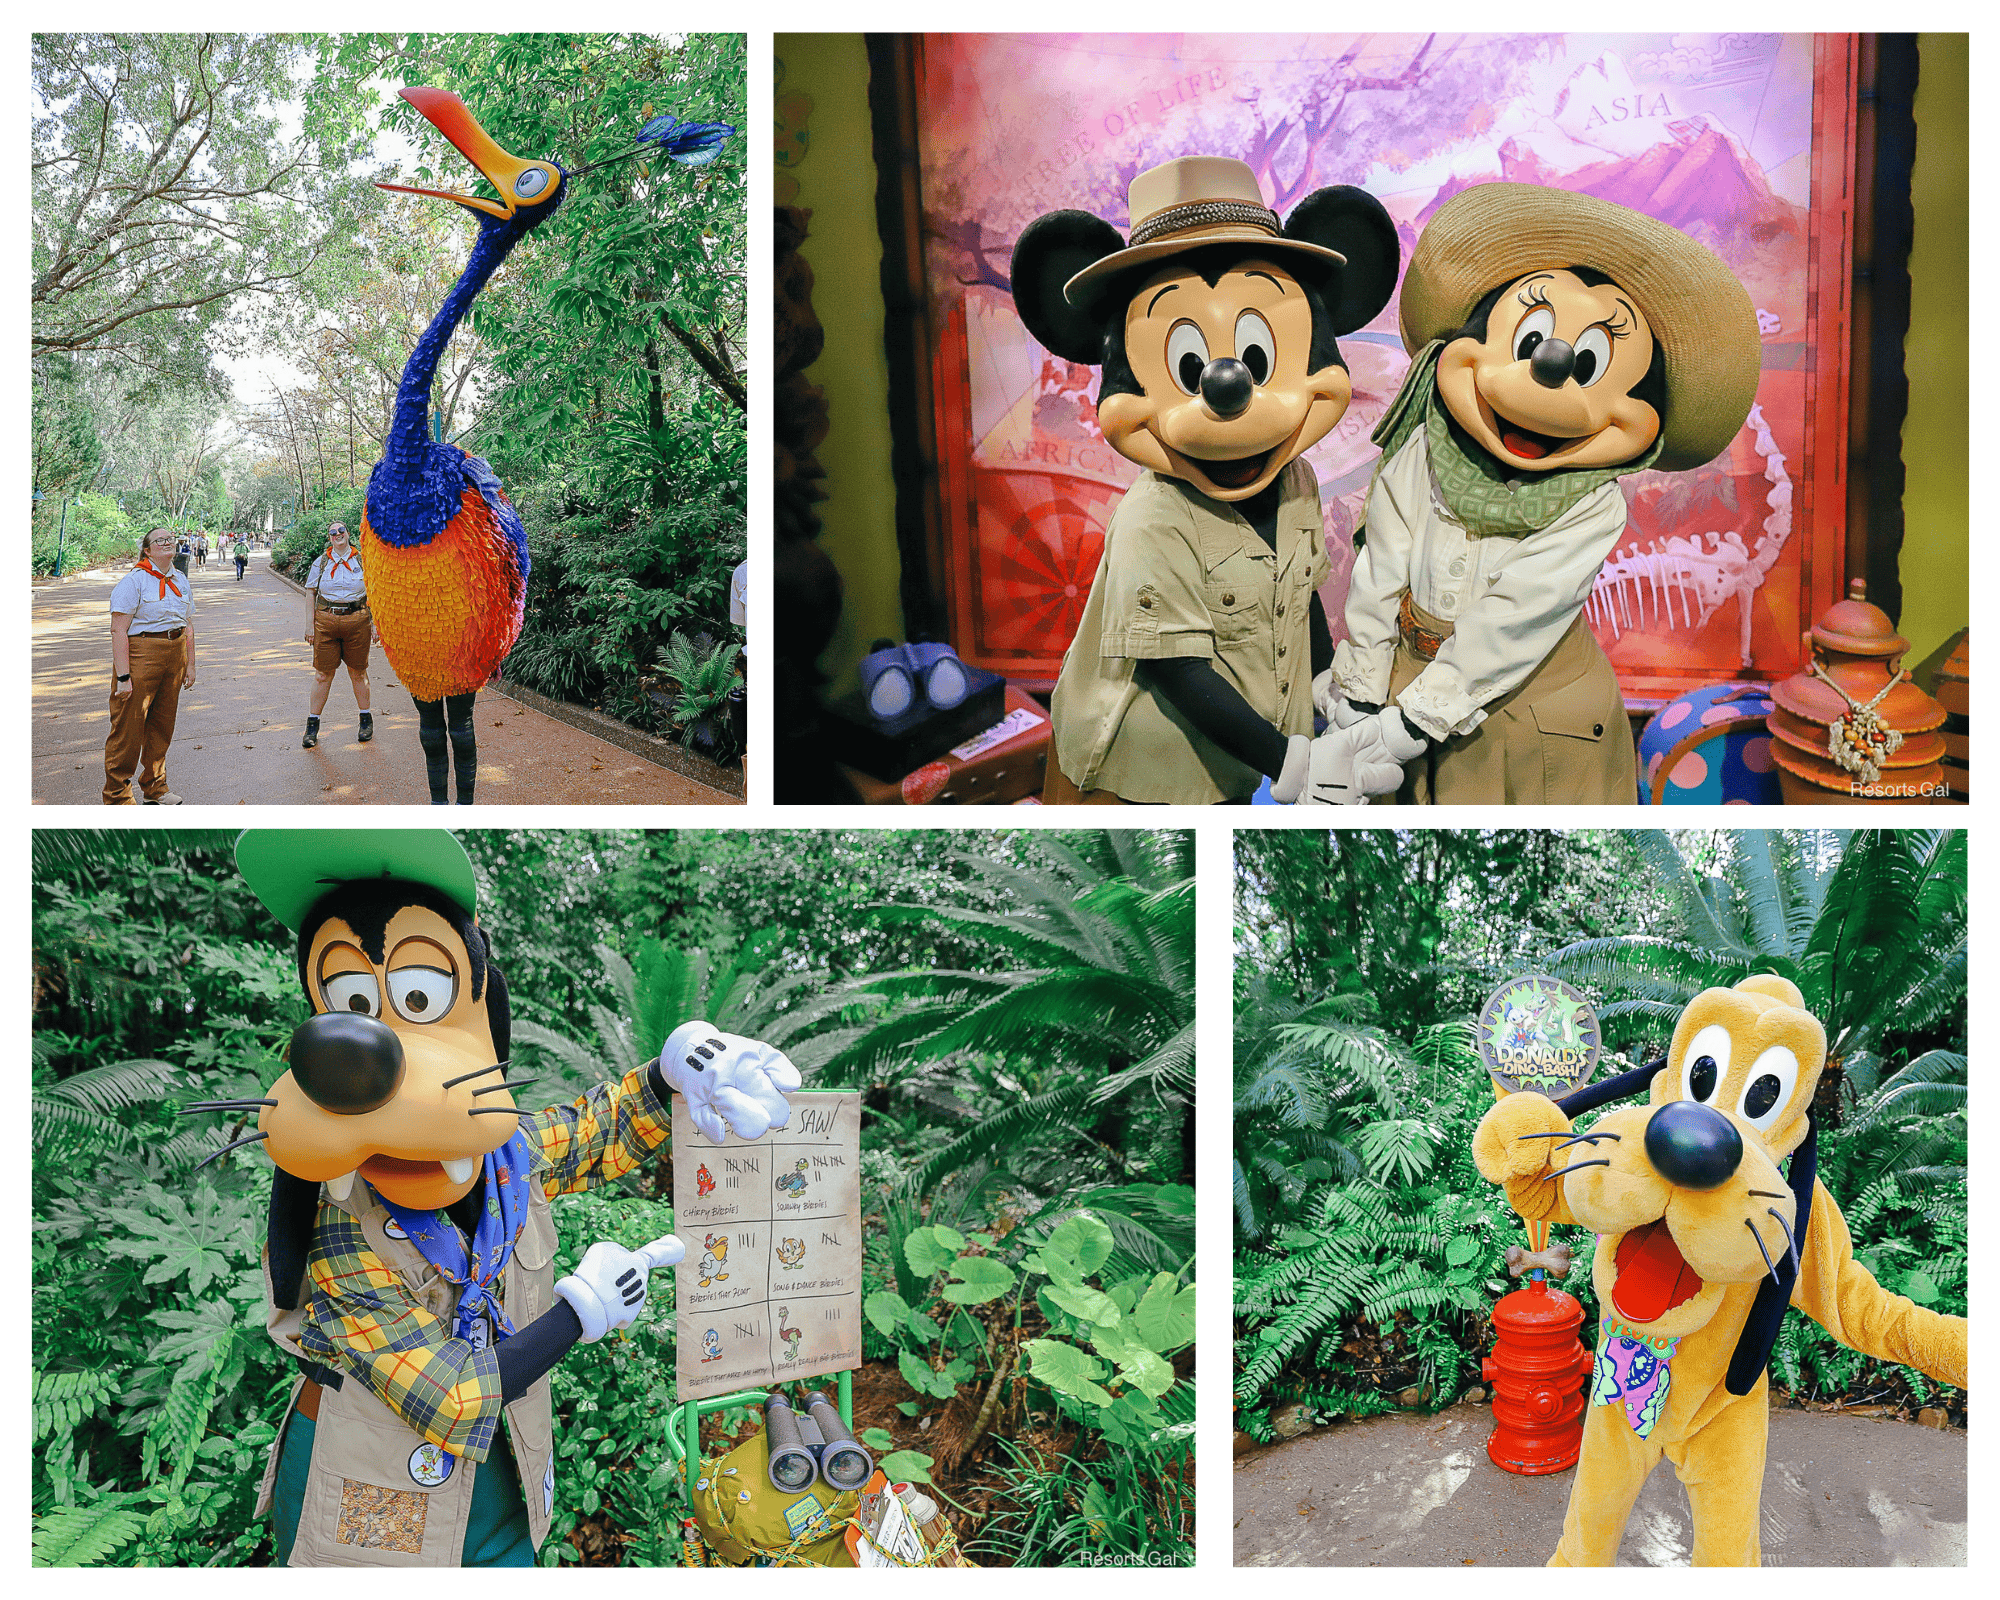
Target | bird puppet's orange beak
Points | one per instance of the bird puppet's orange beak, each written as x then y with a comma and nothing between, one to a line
521,183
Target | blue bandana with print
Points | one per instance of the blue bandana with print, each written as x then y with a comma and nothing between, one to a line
493,1237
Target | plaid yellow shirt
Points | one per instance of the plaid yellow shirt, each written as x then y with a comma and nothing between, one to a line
365,1322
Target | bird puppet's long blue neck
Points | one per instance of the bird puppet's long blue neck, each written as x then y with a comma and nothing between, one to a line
415,488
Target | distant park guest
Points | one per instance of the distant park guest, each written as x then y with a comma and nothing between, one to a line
242,556
201,548
338,629
184,554
152,660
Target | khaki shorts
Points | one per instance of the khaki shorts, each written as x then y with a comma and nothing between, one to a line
338,639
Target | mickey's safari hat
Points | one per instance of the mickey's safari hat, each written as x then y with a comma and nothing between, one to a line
1493,233
289,869
1186,204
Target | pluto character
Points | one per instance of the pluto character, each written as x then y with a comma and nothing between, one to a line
1216,325
1557,342
410,1258
1703,1240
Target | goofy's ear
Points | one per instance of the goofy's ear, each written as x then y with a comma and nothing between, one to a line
1353,222
1052,250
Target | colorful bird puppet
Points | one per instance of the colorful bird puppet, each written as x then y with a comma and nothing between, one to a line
444,553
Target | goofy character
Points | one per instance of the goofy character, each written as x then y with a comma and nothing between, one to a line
409,1268
1703,1240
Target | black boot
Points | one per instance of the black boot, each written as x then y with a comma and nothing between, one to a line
464,747
312,734
367,726
437,761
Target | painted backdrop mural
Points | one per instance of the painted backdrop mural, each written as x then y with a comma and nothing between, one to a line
1738,139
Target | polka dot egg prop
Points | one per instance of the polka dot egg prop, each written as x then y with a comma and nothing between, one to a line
1710,747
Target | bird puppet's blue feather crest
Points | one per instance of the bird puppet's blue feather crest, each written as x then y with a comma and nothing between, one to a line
692,144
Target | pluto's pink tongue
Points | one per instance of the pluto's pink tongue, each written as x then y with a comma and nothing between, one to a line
1653,1277
1522,446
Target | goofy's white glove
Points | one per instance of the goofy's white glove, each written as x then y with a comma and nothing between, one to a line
731,1084
1351,765
608,1288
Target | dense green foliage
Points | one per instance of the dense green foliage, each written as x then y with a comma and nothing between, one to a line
1368,1248
1029,1253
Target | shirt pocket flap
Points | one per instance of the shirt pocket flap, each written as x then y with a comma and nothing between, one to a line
1232,607
1575,711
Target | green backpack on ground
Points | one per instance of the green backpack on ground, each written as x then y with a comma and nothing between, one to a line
745,1520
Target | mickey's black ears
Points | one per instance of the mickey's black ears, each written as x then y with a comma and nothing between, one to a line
1052,250
1353,222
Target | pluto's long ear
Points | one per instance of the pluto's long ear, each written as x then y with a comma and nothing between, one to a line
1752,1355
1052,250
294,1209
1352,221
1619,1086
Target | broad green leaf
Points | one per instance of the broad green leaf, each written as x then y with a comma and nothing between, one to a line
1461,1250
916,1371
1084,1239
1080,1300
950,1238
1164,1317
981,1279
887,1310
906,1466
1067,1370
1920,1286
1146,1372
925,1252
877,1439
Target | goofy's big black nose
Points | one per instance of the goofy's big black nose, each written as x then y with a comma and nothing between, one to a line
1226,386
1552,363
346,1063
1692,1145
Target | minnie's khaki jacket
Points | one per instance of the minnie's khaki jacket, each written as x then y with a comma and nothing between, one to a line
378,1493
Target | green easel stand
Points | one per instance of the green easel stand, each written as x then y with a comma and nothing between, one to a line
684,1437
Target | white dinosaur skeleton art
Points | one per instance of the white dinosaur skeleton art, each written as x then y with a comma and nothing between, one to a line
1680,582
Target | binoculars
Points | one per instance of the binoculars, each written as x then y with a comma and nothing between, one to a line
816,1445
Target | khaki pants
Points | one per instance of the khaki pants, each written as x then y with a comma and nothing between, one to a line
1057,790
1561,738
338,639
142,722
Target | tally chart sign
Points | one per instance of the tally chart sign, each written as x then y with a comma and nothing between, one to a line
1741,140
770,1290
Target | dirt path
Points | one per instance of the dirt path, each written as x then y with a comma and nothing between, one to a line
1415,1491
237,738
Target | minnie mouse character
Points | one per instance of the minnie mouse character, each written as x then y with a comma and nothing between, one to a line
1557,342
1190,676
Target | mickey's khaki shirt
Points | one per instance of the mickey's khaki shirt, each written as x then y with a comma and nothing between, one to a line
1184,575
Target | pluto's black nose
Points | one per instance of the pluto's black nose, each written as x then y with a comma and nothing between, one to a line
1692,1145
1226,385
347,1063
1552,363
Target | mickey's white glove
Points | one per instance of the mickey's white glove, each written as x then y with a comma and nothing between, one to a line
1350,765
608,1288
731,1084
1330,703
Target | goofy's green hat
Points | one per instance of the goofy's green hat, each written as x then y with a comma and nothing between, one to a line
290,869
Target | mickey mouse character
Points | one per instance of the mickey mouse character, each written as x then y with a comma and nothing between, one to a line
1703,1241
1558,342
1190,676
409,1267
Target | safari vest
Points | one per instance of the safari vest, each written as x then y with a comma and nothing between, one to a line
378,1493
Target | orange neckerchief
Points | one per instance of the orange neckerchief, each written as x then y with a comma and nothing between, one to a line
341,563
166,582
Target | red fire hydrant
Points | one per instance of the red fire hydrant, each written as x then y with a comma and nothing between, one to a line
1537,1371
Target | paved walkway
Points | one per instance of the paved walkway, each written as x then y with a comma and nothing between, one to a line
236,741
1415,1491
